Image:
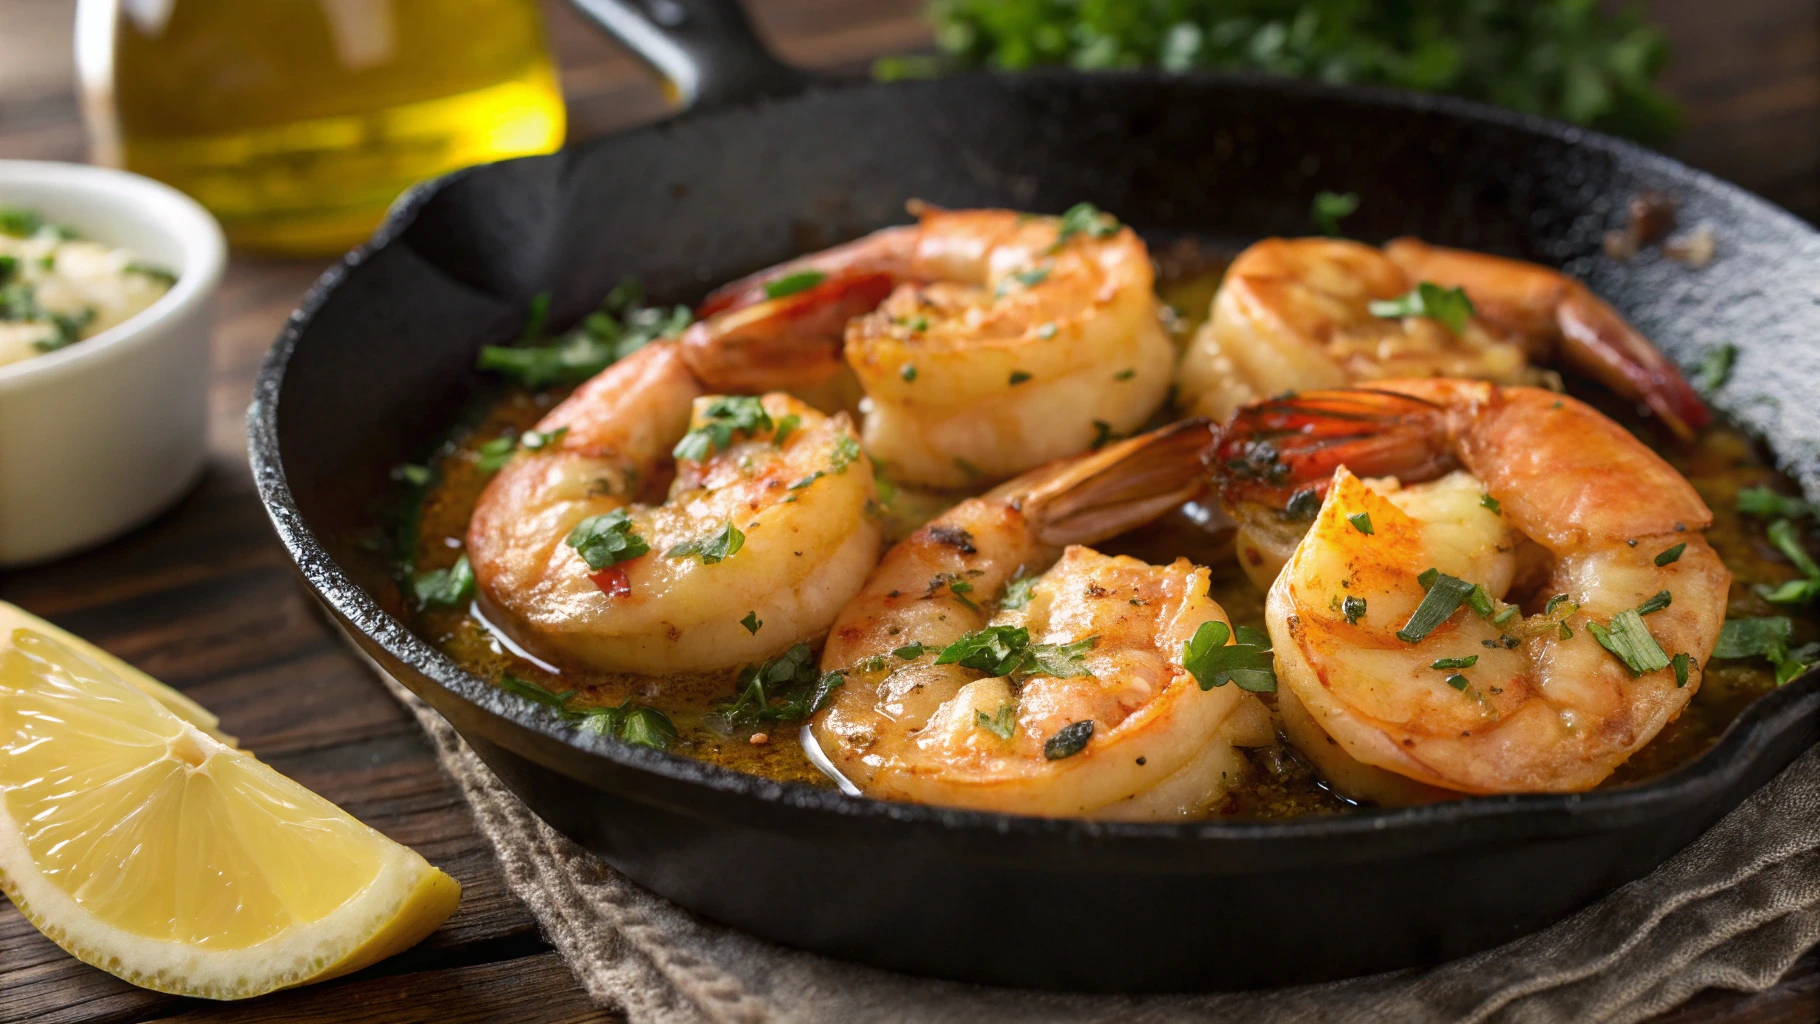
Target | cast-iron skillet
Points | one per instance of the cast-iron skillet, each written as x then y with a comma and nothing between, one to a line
374,366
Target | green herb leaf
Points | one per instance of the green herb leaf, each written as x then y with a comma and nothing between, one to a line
1069,740
1749,638
1214,662
1102,433
907,372
1487,501
1361,521
444,588
792,283
723,418
1655,604
19,222
1681,663
1450,663
785,427
846,451
751,622
1330,207
1555,602
411,474
1001,723
1715,368
1354,610
910,651
531,691
1085,219
606,539
1448,305
1761,501
1479,600
536,441
1018,377
1671,555
1445,595
716,547
1125,374
783,689
1458,682
1007,651
1787,540
597,343
492,455
1630,641
1017,593
1791,591
633,722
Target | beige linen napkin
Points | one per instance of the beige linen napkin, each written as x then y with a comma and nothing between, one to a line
1734,910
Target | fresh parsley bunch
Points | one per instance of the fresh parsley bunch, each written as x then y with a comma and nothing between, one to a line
1569,59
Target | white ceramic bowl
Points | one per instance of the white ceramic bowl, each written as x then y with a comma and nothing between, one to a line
100,436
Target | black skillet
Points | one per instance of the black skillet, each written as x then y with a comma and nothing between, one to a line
374,366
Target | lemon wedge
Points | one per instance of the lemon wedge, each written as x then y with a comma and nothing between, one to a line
157,852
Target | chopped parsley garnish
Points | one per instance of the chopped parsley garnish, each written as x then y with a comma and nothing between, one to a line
1748,638
1761,501
1452,663
1085,219
1674,554
411,474
846,450
806,481
1125,374
1001,723
1630,641
1715,368
1007,651
19,222
907,372
1448,305
635,723
1655,604
1330,207
1102,434
1504,617
785,427
715,547
617,329
1354,610
1069,740
606,539
1214,662
1787,540
1018,377
1681,663
752,622
960,589
967,468
911,651
786,688
723,418
1487,501
1361,521
1303,505
1458,682
1479,599
1445,595
792,283
494,454
1017,593
1028,278
444,588
531,691
1555,602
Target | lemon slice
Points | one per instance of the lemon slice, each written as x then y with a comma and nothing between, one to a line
14,617
158,853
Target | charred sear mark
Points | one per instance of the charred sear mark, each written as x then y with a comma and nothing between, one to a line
954,537
1259,460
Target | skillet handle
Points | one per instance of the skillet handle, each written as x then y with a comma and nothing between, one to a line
705,50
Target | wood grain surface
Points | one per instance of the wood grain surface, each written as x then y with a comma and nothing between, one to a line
204,597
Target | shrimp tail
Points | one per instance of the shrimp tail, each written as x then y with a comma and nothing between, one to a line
1120,487
1597,342
775,344
1275,449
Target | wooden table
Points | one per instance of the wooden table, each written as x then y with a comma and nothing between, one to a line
204,597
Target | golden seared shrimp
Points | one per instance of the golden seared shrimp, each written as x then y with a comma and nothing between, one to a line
1296,314
982,672
1525,605
769,518
1003,341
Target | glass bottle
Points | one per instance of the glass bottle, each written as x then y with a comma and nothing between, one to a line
297,122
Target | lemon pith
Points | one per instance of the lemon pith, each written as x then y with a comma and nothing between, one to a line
151,849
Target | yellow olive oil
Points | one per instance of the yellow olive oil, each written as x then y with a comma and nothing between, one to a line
297,122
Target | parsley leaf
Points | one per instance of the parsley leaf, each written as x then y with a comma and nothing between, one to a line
722,418
752,622
1085,219
444,588
1761,501
1017,593
606,539
1361,521
1069,740
792,283
1445,595
1715,368
1213,662
716,547
1007,651
599,341
786,688
635,723
1631,642
1330,207
1448,305
1001,723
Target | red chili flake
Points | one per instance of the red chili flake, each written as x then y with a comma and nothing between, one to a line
612,581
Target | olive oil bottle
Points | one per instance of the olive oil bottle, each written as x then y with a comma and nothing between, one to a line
297,122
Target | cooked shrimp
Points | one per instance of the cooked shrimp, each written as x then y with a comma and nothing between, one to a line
1003,341
768,519
1296,314
1082,706
1390,622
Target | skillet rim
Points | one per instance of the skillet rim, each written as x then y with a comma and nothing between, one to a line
1721,766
